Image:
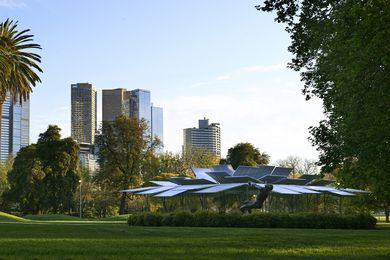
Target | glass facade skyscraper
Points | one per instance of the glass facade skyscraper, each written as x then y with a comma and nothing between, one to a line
157,127
15,128
84,121
140,105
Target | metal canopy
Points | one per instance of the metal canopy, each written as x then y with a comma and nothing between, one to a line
279,190
281,171
156,189
164,183
218,176
271,178
221,187
330,189
254,172
169,193
239,179
201,173
222,178
299,189
224,168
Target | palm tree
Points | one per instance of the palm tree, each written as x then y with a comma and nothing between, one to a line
17,66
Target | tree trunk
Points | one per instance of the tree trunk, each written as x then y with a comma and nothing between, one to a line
122,207
387,213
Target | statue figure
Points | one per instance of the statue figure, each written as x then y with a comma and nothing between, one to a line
260,198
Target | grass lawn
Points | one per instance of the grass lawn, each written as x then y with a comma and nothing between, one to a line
116,240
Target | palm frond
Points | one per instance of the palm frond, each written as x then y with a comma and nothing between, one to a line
18,66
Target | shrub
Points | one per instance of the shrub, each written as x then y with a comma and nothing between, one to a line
259,220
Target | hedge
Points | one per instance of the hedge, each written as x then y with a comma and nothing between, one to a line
256,220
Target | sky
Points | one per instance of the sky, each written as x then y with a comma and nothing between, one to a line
219,59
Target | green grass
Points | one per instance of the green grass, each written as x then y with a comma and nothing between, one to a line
110,240
5,217
52,217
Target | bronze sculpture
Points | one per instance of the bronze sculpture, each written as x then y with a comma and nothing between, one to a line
260,198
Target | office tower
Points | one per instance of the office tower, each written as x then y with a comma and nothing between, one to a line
140,106
207,138
15,128
115,103
157,124
84,122
135,104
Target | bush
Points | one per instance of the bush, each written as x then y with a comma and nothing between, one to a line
259,220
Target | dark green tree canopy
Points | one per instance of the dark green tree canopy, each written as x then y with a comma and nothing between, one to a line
45,175
246,154
341,49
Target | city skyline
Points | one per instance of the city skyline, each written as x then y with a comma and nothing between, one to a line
15,128
224,60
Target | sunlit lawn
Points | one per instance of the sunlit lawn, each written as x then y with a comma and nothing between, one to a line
115,240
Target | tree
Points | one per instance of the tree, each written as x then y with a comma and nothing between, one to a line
300,166
5,167
246,154
45,175
18,66
123,148
341,50
26,181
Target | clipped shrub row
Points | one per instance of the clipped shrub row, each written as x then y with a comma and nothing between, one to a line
255,220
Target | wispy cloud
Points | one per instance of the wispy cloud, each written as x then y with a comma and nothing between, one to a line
12,4
252,69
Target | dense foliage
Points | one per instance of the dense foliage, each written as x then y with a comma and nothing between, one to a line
45,175
258,220
5,167
341,49
124,147
247,155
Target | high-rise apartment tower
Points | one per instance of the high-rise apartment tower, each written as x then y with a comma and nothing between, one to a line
207,137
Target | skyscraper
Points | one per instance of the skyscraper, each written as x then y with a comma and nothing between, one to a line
207,137
157,128
135,104
140,106
115,103
84,122
15,128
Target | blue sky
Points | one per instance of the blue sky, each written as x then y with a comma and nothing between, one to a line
220,59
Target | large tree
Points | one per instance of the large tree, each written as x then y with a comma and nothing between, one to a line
124,146
18,66
247,155
342,50
45,175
